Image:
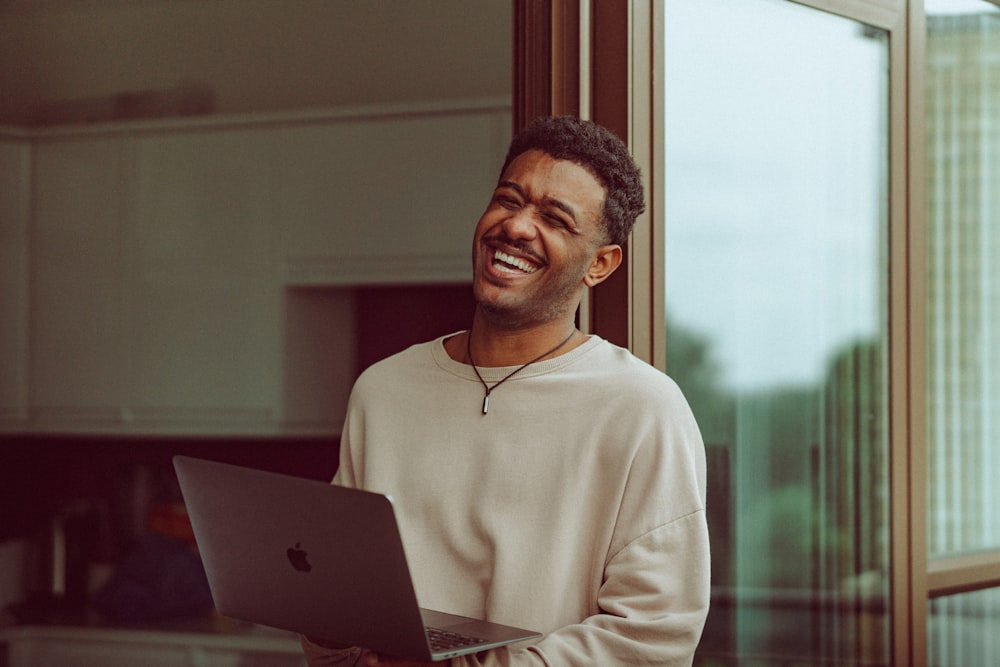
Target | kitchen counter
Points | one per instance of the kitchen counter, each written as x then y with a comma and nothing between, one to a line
213,641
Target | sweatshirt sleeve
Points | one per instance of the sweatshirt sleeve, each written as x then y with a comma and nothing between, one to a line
653,604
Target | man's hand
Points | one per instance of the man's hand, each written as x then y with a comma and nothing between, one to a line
333,646
372,659
376,659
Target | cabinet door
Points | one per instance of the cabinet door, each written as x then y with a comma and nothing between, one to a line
14,213
77,267
205,301
388,199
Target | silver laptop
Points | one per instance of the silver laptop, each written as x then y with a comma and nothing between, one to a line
320,560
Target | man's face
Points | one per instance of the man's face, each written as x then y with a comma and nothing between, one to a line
537,240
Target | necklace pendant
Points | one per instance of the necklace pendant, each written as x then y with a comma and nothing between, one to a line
487,388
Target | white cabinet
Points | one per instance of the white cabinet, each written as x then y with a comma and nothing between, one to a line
77,279
387,200
187,276
204,301
153,290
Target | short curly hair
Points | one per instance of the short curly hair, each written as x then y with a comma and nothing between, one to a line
599,151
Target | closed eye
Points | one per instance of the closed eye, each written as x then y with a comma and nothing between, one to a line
557,221
506,201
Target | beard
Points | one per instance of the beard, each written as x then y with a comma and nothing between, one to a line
541,304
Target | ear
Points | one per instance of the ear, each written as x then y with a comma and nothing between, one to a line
607,259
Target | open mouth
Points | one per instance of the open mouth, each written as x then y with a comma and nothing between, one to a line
510,264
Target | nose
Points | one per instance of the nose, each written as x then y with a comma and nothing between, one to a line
521,224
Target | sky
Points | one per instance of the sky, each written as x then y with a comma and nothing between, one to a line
958,6
775,169
775,183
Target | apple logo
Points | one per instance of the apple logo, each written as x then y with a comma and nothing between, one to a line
299,558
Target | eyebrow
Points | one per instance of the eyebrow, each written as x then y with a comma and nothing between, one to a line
562,206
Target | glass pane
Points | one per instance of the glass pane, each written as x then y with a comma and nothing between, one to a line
963,245
776,280
962,629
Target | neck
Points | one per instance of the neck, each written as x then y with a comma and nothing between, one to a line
494,346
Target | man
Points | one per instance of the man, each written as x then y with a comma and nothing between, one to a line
544,478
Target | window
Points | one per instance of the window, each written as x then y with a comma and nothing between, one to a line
963,216
776,280
963,322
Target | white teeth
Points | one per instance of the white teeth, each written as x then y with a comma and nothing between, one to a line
513,261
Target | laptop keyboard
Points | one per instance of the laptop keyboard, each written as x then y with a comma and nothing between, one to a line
443,640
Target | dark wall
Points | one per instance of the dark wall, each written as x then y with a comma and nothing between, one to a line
390,319
42,475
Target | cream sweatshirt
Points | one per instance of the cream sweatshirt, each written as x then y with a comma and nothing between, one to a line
575,507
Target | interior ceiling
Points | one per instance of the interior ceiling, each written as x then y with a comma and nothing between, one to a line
250,55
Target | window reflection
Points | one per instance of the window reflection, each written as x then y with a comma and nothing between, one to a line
963,307
962,629
776,222
963,220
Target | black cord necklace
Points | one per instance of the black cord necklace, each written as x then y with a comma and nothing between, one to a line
488,389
